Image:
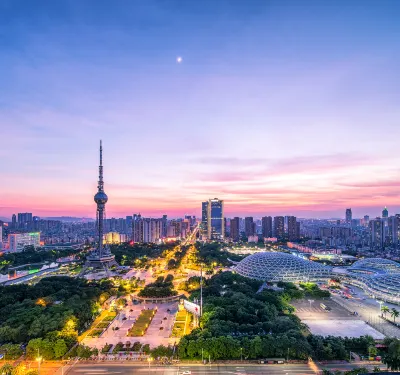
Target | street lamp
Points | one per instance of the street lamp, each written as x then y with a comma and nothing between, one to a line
201,289
311,302
39,360
380,306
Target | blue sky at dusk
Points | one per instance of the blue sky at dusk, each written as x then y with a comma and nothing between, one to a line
278,107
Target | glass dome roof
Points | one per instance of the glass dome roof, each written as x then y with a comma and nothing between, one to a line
274,267
378,265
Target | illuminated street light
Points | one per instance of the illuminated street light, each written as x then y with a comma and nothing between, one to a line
39,360
380,306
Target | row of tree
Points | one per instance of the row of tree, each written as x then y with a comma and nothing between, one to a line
128,254
162,287
31,256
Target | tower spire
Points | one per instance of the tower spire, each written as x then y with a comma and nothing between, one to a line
100,186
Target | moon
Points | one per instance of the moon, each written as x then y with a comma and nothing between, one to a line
179,59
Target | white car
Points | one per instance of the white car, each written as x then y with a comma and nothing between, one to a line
185,373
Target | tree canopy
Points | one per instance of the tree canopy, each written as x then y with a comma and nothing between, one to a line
54,309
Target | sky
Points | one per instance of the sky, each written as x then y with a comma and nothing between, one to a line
277,107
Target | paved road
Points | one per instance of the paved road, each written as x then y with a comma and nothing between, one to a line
368,310
130,368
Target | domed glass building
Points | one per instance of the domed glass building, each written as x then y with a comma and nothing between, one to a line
275,267
384,287
380,278
375,265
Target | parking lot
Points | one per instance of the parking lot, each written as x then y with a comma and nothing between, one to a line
314,311
336,321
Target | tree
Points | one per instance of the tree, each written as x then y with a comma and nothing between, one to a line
19,369
395,314
11,351
33,348
83,351
146,348
60,348
162,351
392,357
372,351
357,371
6,369
385,310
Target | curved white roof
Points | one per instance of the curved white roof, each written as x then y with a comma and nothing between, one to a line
268,266
378,265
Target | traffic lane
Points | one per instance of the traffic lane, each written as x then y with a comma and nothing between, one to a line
349,366
105,368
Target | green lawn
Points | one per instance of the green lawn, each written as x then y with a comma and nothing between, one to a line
181,316
95,332
142,323
111,316
179,326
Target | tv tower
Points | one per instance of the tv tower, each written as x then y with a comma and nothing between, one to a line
100,257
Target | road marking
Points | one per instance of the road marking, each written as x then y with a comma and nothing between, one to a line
91,369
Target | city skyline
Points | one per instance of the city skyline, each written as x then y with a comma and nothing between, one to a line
273,108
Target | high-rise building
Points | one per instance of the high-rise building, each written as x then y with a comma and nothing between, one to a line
292,228
385,213
394,230
377,228
366,220
164,226
137,228
14,222
215,219
279,226
235,232
25,220
1,236
204,219
248,226
151,230
114,238
266,226
18,241
349,216
128,226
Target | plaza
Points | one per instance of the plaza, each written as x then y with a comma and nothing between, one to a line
117,331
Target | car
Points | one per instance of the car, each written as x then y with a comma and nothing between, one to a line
186,372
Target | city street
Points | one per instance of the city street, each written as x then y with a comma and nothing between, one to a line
198,369
238,369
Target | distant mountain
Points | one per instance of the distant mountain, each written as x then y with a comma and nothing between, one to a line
6,219
69,218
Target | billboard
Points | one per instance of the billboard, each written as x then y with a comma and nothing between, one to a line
191,307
